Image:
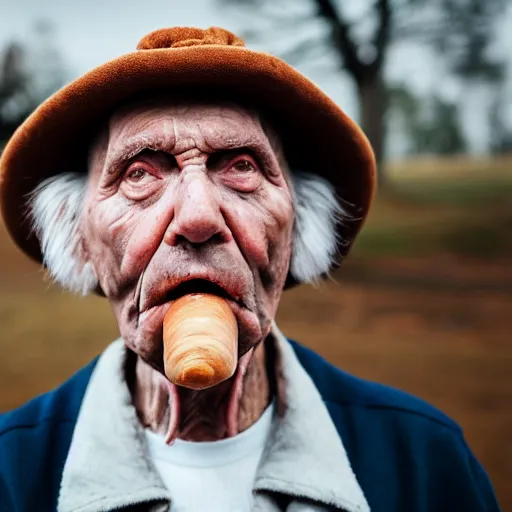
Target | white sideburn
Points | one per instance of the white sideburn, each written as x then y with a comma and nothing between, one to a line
315,238
55,208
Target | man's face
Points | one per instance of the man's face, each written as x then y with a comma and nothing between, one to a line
187,192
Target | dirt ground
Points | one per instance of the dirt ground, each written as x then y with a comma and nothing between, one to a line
449,345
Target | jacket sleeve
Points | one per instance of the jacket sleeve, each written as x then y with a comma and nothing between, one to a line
6,503
459,481
482,483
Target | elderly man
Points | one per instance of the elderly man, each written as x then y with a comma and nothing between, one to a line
197,169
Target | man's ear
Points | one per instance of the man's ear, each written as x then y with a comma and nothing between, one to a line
55,211
84,262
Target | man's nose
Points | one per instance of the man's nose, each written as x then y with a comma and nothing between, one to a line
198,217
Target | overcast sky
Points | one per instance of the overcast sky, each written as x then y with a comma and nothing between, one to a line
90,32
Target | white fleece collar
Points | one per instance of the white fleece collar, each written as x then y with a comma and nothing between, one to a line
304,456
108,466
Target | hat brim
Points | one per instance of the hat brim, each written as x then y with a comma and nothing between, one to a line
317,135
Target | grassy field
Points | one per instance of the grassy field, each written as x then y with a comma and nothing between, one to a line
424,303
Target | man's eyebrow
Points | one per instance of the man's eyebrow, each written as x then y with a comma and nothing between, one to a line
262,150
130,148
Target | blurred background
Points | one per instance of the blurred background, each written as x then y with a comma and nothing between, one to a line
424,302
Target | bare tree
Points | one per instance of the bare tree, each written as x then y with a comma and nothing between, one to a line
13,89
27,77
360,34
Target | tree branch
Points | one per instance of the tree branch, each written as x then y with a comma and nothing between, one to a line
383,34
340,36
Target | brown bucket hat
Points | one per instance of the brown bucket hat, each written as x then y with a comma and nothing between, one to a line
317,135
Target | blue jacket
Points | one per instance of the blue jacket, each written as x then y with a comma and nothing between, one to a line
407,456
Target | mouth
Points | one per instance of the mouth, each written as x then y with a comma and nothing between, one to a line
229,287
198,285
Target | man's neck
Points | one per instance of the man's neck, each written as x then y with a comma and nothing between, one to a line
208,415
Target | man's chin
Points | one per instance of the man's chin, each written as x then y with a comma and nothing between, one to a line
146,338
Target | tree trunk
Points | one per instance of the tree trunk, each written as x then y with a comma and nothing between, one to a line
372,105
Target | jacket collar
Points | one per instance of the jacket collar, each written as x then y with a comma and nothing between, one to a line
108,465
305,457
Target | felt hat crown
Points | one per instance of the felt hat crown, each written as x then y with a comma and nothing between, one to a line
317,135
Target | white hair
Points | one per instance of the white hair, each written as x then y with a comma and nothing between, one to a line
56,206
317,215
55,209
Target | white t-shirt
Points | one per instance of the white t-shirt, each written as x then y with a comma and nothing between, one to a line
213,476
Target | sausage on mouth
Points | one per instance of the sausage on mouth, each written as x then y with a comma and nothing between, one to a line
200,336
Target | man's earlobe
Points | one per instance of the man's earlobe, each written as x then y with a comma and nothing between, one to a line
84,264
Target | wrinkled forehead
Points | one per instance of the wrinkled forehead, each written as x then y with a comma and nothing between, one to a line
213,124
170,125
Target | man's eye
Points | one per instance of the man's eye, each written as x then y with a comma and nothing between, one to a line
140,181
137,174
243,166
